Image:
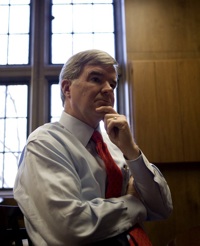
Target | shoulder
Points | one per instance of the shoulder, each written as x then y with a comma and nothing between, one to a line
53,134
50,132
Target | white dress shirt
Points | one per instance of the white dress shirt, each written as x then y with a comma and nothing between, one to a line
60,187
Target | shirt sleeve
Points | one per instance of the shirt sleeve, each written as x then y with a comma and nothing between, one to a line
152,188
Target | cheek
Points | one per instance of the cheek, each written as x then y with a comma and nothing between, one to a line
84,98
89,93
78,91
85,94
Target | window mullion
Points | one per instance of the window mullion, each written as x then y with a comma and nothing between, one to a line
38,95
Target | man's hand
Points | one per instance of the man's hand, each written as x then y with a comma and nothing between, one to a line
131,188
119,132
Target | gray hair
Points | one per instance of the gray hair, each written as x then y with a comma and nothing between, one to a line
73,68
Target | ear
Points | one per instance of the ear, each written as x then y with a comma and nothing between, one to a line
65,86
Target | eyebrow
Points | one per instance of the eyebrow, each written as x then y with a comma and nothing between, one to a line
97,73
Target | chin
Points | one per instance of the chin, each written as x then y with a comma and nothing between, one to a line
100,116
103,103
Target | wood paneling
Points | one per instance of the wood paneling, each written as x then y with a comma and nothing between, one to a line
184,183
166,109
158,30
189,89
145,107
168,104
162,29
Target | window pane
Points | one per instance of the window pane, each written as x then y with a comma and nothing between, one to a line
3,49
105,42
18,19
61,1
19,55
83,22
87,42
5,2
56,103
16,99
4,19
102,1
2,104
63,21
62,48
106,24
1,172
94,1
14,32
13,130
10,169
82,18
19,1
15,134
1,135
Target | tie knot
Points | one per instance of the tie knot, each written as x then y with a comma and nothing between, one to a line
96,137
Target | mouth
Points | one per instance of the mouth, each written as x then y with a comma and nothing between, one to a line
103,102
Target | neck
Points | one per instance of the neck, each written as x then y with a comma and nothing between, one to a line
92,123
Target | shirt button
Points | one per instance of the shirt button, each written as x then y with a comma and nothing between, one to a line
125,167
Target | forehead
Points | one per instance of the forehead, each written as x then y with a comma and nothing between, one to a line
108,71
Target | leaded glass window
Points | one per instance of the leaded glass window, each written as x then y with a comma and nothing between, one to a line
14,31
81,25
13,130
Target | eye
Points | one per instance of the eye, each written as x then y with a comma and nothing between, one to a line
96,79
113,85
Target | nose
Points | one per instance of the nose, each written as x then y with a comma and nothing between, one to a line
107,88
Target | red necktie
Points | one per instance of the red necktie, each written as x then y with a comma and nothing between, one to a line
114,174
138,237
114,187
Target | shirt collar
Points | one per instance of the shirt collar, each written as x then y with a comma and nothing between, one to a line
79,129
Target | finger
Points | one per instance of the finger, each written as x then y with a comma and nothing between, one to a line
114,124
114,119
106,110
109,118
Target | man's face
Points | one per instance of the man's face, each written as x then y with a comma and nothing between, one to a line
94,88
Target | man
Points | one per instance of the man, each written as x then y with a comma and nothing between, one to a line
62,182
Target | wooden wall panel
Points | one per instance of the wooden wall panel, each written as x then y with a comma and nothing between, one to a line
145,109
164,29
189,89
166,109
168,104
169,30
184,183
156,110
166,113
